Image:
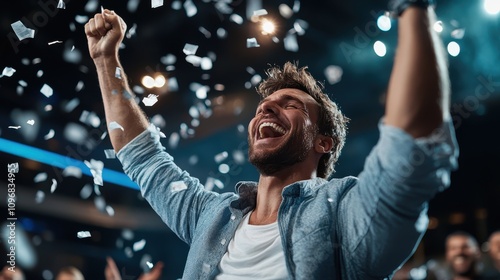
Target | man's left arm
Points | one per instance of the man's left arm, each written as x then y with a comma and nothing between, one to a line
419,88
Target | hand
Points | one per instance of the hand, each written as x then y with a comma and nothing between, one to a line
111,271
153,274
104,34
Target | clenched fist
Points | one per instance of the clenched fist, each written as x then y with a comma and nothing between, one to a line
104,34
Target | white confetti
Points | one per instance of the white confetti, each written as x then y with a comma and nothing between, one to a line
100,203
149,264
71,105
115,125
173,141
79,86
31,122
150,100
236,18
40,177
8,72
156,3
261,12
205,32
14,127
39,73
118,72
290,42
61,5
110,211
47,90
209,184
54,42
139,245
90,118
252,43
296,6
132,5
91,6
22,32
223,7
178,186
206,63
176,5
458,33
190,8
127,234
173,85
193,59
221,33
86,191
190,49
110,153
22,83
285,11
49,135
97,191
220,157
83,234
333,74
39,197
72,171
53,186
96,167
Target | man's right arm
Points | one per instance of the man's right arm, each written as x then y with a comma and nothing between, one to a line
104,34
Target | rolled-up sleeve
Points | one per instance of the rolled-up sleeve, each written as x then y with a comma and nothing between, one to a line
384,217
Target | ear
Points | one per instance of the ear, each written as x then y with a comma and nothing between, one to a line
323,144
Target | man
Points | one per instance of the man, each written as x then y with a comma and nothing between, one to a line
9,273
494,253
463,256
294,223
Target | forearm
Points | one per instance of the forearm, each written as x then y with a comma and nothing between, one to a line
119,104
418,93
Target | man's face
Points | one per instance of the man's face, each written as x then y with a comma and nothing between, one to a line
283,130
461,254
494,247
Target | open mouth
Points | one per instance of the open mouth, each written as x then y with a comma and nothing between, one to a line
270,130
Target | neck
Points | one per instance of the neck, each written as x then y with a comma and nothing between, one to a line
269,194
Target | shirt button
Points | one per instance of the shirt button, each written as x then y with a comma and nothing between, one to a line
223,241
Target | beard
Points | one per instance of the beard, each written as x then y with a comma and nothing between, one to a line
294,150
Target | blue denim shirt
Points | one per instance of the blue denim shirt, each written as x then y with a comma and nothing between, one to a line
349,228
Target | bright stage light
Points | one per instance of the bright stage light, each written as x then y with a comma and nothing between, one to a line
148,81
438,26
492,7
453,48
159,81
379,48
268,27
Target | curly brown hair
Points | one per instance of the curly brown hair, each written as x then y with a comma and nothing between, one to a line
331,121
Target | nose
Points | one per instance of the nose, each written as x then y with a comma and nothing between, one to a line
270,107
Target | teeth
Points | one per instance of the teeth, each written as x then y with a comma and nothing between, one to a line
273,125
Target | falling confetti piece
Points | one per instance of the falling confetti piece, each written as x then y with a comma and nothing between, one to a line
261,12
22,32
236,19
220,157
139,245
90,118
223,7
205,32
132,31
110,153
285,11
53,186
178,186
72,171
290,42
190,8
190,49
40,177
156,3
14,127
54,42
49,135
110,211
61,5
86,191
96,167
97,191
333,74
39,197
150,100
252,43
31,122
458,33
47,90
115,125
149,264
8,72
83,234
118,72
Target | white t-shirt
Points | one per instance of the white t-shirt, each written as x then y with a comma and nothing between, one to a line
255,252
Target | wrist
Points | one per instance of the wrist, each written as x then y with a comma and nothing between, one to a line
105,60
397,7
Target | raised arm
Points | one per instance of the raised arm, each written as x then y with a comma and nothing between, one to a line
418,94
104,34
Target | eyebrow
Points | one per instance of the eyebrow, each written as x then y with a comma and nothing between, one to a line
286,97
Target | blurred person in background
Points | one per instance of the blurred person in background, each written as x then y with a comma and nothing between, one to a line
9,273
70,273
494,254
111,271
463,256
